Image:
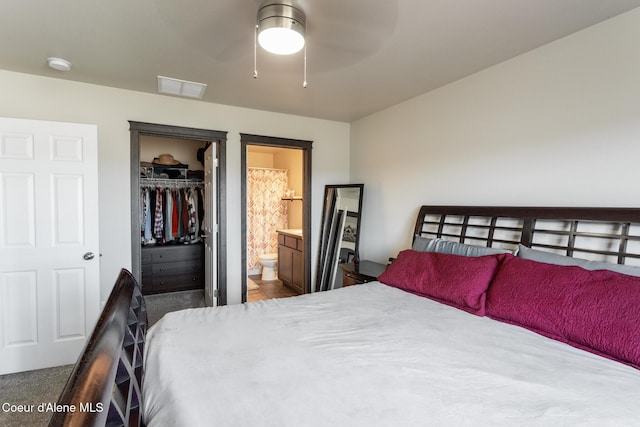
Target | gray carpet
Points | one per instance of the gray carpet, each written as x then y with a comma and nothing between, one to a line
45,385
31,388
161,304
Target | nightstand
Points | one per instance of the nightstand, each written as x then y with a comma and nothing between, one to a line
363,272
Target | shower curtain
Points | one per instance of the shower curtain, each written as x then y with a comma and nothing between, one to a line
266,212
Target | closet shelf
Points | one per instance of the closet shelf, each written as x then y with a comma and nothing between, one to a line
170,183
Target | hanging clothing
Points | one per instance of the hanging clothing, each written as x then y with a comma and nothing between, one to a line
179,204
158,227
185,212
170,215
174,214
192,216
143,211
147,237
200,206
142,208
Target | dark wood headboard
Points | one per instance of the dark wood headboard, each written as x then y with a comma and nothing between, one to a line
106,382
604,234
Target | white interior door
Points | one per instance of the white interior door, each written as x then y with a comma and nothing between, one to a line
49,266
210,226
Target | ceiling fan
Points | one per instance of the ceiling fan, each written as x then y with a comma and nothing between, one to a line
338,32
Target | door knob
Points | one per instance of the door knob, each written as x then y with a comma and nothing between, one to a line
88,256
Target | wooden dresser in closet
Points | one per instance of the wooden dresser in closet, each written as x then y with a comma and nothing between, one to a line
172,268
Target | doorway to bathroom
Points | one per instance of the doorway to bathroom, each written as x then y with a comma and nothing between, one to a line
276,217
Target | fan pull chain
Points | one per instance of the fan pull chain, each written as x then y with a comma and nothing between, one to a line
255,53
304,83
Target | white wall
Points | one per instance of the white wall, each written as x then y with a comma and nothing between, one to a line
559,125
41,98
184,151
292,161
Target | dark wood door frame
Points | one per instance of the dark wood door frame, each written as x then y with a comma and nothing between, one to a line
269,141
138,129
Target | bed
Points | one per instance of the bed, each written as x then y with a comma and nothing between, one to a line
462,332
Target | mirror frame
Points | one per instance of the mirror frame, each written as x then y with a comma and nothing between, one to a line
327,251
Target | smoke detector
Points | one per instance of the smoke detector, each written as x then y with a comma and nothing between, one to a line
59,64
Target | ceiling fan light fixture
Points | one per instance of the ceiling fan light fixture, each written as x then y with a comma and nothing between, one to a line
281,41
281,28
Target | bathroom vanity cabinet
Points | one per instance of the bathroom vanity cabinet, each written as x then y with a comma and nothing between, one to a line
291,260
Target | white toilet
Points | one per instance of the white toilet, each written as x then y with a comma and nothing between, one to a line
269,266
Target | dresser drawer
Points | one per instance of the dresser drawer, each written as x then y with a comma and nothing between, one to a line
348,280
291,242
363,272
178,253
185,281
172,268
146,256
171,253
176,267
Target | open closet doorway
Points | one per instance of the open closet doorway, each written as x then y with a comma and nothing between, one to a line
276,225
178,209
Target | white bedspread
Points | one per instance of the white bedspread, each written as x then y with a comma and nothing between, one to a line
371,355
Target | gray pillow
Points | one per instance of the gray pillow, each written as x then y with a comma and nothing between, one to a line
422,244
551,258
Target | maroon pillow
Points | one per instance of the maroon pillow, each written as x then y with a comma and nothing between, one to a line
598,311
455,280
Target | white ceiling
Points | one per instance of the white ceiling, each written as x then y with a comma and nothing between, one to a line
363,55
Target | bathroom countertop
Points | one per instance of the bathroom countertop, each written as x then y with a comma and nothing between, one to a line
295,232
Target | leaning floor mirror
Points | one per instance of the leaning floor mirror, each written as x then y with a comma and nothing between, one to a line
339,232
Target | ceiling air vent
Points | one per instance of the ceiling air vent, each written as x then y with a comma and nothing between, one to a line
171,86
